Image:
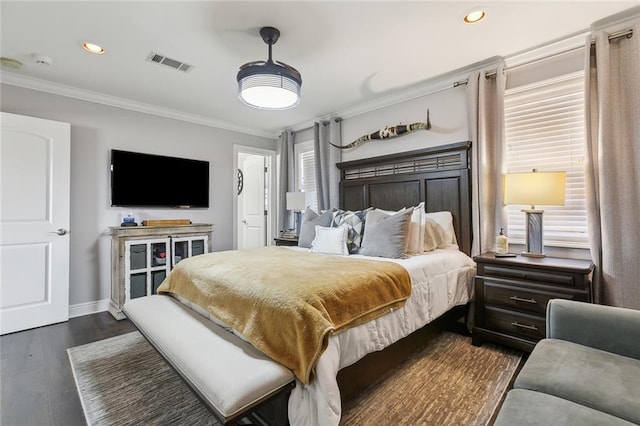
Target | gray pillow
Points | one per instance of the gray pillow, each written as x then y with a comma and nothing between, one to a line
308,227
385,235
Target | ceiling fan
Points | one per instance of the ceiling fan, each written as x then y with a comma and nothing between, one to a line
269,84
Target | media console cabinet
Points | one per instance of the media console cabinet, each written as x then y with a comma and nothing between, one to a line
142,256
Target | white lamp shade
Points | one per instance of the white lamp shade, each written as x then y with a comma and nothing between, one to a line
535,188
299,200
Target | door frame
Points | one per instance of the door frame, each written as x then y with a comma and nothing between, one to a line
270,156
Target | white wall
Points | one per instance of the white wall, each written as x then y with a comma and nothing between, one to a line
95,130
448,113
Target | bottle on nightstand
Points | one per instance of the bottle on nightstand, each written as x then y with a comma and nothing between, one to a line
502,243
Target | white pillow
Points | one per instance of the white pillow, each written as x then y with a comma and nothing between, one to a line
439,231
330,240
415,239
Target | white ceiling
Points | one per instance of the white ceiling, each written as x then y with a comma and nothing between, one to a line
349,53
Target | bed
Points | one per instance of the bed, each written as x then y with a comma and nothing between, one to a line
436,180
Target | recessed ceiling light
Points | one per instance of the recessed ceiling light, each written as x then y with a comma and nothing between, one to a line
474,16
93,48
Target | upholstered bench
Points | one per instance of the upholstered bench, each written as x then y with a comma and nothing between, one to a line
228,374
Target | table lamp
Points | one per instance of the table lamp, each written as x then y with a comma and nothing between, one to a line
534,189
297,202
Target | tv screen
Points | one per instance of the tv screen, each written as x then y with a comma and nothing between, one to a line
147,180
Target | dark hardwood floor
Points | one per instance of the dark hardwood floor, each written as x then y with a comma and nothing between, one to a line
36,383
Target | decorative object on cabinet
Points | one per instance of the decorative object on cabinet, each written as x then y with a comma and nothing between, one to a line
512,295
128,219
142,256
534,188
166,222
388,133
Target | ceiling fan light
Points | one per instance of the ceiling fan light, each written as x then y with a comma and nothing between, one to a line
269,91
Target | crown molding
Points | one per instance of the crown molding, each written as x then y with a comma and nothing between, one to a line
550,49
396,96
18,80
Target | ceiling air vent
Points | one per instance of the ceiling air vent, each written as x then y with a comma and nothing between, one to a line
171,63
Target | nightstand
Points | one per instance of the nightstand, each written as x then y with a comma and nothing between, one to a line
281,241
512,293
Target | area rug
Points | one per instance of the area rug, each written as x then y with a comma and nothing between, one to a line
123,381
449,382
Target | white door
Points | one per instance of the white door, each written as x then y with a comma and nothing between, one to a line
34,222
251,202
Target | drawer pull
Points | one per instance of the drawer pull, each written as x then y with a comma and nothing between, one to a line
522,299
527,326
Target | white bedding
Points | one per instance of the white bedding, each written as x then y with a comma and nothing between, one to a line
441,279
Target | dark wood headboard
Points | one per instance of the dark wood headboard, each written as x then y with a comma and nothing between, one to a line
439,176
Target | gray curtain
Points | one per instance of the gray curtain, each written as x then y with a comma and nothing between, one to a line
613,163
485,107
326,157
287,178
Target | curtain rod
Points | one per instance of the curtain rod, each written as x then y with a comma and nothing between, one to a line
628,33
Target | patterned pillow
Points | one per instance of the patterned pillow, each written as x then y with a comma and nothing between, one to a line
355,224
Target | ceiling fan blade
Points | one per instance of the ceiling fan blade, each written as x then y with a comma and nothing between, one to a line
248,64
287,66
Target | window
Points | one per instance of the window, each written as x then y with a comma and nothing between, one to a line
544,130
305,169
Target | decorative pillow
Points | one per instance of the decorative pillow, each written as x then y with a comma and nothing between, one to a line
307,228
415,239
416,230
439,231
355,224
330,240
386,235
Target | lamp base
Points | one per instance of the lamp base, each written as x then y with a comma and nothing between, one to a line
534,243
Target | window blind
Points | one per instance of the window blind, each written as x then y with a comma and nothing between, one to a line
544,130
306,171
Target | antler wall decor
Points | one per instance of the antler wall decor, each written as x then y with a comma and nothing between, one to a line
388,133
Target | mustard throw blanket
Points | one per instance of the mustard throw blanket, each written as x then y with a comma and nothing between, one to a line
286,302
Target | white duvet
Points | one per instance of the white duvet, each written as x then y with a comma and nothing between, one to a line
441,279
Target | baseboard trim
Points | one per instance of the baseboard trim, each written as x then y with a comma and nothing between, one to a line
88,308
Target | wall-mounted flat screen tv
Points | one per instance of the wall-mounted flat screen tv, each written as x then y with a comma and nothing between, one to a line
147,180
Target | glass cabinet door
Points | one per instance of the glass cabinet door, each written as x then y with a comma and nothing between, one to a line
183,247
146,266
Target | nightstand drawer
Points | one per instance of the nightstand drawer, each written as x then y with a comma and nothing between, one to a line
519,298
528,275
515,323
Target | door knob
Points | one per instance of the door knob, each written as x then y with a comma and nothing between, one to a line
60,231
245,221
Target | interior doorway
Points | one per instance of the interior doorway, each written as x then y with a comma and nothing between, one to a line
254,207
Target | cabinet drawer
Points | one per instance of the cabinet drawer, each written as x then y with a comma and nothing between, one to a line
520,298
515,323
567,280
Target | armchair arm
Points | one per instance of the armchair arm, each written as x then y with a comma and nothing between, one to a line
602,327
